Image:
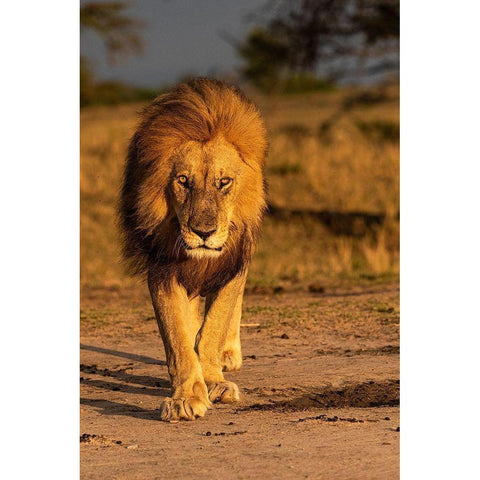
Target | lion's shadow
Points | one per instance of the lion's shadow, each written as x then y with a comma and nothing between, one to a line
107,407
123,382
116,353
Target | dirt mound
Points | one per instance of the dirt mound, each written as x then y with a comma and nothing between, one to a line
363,395
385,350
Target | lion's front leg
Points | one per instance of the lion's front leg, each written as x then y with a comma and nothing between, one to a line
212,338
173,311
231,356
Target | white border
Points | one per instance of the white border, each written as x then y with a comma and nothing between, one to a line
439,239
39,196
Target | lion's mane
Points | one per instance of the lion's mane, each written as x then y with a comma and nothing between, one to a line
198,110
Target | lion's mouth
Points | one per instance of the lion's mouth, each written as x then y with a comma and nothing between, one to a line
204,247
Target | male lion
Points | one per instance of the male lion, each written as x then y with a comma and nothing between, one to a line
192,202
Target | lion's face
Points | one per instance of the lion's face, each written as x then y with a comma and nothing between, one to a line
205,184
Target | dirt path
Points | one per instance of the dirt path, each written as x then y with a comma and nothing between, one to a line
320,386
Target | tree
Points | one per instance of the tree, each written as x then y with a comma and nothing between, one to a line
304,34
119,32
267,57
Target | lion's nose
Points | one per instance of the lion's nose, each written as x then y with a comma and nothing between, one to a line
204,234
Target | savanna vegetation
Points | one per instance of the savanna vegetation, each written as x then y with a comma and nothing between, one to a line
333,190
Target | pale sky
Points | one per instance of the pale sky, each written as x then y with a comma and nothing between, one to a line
180,37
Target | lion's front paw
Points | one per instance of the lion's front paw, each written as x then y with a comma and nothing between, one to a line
173,409
231,359
223,392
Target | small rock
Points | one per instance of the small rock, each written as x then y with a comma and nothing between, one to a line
208,434
132,447
284,336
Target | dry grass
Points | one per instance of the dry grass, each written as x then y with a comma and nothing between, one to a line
352,166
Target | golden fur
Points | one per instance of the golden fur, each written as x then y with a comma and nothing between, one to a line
192,202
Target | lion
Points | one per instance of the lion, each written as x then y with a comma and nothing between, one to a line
191,207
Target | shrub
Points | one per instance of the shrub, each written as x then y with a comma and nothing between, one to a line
380,130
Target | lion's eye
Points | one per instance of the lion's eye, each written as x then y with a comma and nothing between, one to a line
183,180
225,182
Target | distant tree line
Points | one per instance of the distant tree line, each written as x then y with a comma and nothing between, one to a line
280,55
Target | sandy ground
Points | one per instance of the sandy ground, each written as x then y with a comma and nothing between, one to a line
320,391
